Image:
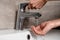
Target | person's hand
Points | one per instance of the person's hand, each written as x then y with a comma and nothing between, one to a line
37,3
45,27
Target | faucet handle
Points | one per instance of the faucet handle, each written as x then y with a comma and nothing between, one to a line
37,15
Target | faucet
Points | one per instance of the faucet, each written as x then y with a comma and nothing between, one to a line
22,19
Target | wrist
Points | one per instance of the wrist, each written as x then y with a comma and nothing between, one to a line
57,23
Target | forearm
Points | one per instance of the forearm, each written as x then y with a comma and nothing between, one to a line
56,22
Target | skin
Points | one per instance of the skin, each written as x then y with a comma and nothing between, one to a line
37,4
44,27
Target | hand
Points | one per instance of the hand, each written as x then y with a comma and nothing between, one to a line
37,3
45,27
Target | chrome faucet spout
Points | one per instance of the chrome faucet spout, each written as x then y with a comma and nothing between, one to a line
22,20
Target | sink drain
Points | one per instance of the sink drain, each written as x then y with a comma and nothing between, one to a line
28,37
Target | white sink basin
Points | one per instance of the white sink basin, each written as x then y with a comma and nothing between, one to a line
22,35
15,35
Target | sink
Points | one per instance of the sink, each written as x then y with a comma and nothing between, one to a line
16,35
12,34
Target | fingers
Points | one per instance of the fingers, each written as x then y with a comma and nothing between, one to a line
37,3
34,1
43,25
36,30
42,29
46,27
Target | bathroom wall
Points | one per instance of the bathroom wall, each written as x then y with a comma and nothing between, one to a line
7,13
8,10
50,11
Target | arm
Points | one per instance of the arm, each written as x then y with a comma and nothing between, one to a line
45,27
